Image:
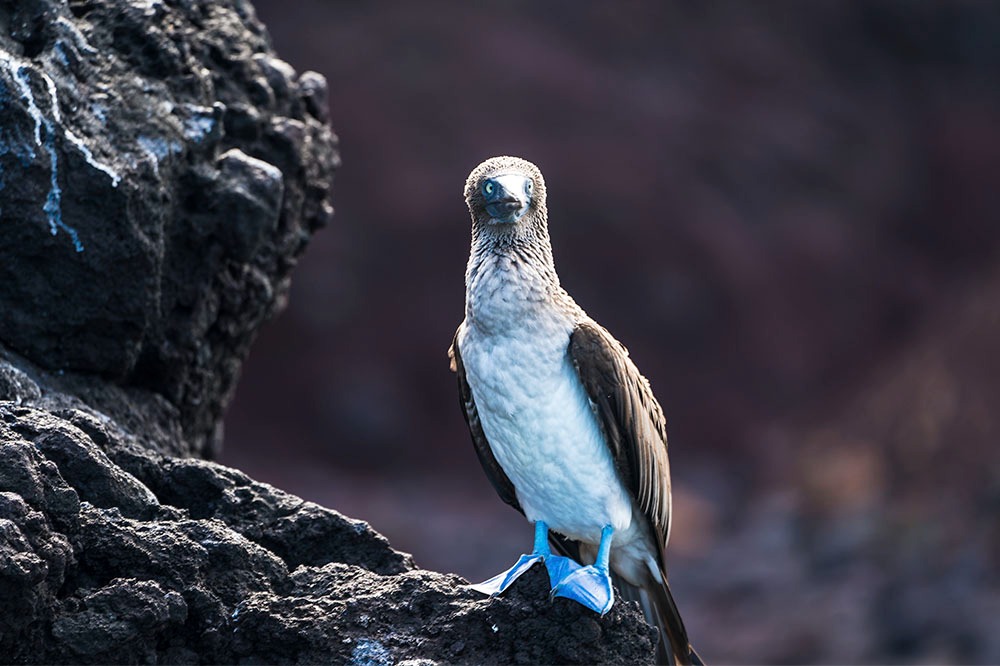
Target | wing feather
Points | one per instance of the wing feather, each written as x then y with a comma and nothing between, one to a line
631,418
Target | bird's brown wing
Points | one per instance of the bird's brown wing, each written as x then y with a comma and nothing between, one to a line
501,482
631,418
636,433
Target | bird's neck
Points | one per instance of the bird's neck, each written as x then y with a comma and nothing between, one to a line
527,247
509,276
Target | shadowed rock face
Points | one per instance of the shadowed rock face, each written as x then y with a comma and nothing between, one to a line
160,171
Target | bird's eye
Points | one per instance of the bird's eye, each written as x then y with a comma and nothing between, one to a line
488,187
528,186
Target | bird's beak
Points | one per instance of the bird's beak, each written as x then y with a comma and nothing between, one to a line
510,200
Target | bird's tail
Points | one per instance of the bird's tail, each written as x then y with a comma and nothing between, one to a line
658,606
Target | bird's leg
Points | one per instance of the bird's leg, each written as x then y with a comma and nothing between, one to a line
591,585
541,546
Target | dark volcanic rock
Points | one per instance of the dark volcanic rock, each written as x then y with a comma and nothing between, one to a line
164,140
161,170
113,552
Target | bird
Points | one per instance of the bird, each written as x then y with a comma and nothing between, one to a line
565,426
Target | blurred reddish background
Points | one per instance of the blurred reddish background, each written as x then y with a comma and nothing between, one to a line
787,212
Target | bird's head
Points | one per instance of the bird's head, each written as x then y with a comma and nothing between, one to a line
504,194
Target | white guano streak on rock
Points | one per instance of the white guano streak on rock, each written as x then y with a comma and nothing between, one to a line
53,202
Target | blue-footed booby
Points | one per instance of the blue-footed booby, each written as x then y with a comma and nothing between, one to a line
565,426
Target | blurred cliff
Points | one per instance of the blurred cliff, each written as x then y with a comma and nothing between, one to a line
786,211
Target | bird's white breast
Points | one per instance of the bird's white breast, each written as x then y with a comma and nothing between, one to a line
535,413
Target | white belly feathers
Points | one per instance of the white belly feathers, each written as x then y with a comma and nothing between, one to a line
538,421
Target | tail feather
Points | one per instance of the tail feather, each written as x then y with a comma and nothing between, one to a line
658,606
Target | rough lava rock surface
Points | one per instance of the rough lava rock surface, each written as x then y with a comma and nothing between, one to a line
160,171
111,552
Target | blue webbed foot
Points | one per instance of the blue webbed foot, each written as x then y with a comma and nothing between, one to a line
504,579
590,586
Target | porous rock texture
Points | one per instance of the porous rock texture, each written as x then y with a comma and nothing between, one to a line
160,171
